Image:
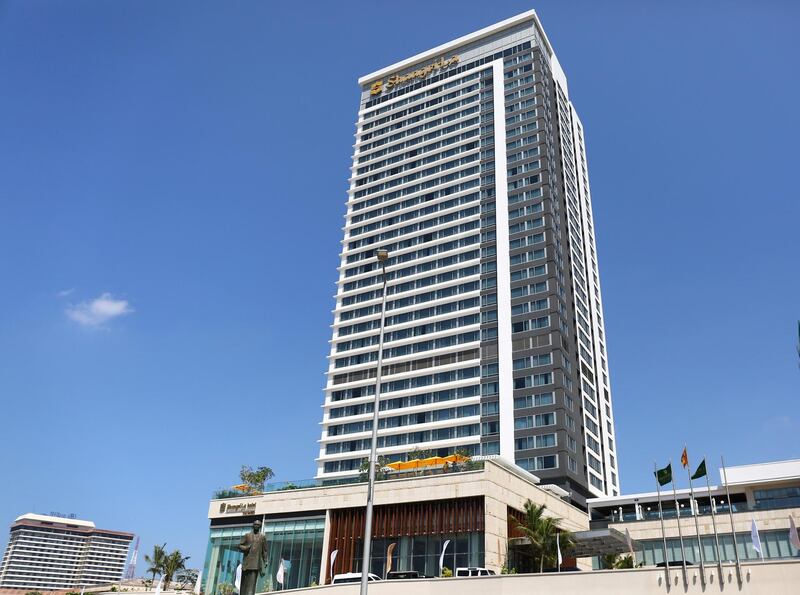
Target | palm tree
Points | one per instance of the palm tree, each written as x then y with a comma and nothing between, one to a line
173,563
540,531
156,562
616,562
529,527
552,539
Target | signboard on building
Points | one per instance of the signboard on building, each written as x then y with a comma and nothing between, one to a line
396,80
238,508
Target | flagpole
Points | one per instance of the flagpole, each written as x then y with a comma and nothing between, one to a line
663,534
714,522
678,523
696,523
733,527
680,532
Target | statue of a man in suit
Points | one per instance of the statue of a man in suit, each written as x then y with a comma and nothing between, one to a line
254,547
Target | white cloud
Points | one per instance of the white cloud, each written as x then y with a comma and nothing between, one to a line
98,311
66,292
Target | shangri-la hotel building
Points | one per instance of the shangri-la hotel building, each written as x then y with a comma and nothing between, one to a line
470,176
469,169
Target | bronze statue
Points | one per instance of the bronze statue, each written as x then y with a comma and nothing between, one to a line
254,547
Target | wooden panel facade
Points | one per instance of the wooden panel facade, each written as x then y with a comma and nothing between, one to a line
435,517
514,517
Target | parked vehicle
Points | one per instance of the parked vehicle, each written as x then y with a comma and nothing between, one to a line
404,574
353,577
473,571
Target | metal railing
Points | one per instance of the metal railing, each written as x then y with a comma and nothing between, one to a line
382,475
629,516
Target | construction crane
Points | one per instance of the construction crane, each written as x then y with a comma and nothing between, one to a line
132,566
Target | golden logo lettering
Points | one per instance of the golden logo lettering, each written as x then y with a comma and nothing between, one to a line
420,73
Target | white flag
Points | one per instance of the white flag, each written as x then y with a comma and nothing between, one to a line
441,558
794,538
197,585
630,543
237,579
279,575
160,586
756,539
558,547
333,559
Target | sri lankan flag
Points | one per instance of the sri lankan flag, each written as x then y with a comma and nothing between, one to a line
685,458
664,476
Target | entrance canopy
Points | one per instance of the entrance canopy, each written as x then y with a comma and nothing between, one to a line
602,542
599,542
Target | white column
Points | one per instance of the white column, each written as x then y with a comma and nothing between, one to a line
503,268
326,537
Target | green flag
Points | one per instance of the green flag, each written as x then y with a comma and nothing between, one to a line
664,476
701,470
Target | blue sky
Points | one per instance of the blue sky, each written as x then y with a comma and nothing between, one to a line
172,186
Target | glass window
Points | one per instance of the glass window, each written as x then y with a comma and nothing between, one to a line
544,419
490,428
492,408
538,463
297,542
774,543
491,448
788,497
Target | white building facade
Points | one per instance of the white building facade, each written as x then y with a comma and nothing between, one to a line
48,552
470,169
764,494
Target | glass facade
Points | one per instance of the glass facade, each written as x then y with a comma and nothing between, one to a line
297,541
222,558
774,543
421,553
788,497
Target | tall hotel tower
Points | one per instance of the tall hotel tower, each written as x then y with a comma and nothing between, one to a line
469,168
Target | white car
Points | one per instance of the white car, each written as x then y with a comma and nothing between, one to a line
353,577
473,571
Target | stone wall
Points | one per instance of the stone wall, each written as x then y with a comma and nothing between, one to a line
759,578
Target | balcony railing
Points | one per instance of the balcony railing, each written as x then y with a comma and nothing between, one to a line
629,516
381,475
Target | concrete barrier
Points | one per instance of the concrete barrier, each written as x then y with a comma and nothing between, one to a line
758,578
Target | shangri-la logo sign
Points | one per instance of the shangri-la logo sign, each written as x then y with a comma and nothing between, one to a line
241,508
395,80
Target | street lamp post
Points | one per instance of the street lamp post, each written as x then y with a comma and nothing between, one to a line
383,256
